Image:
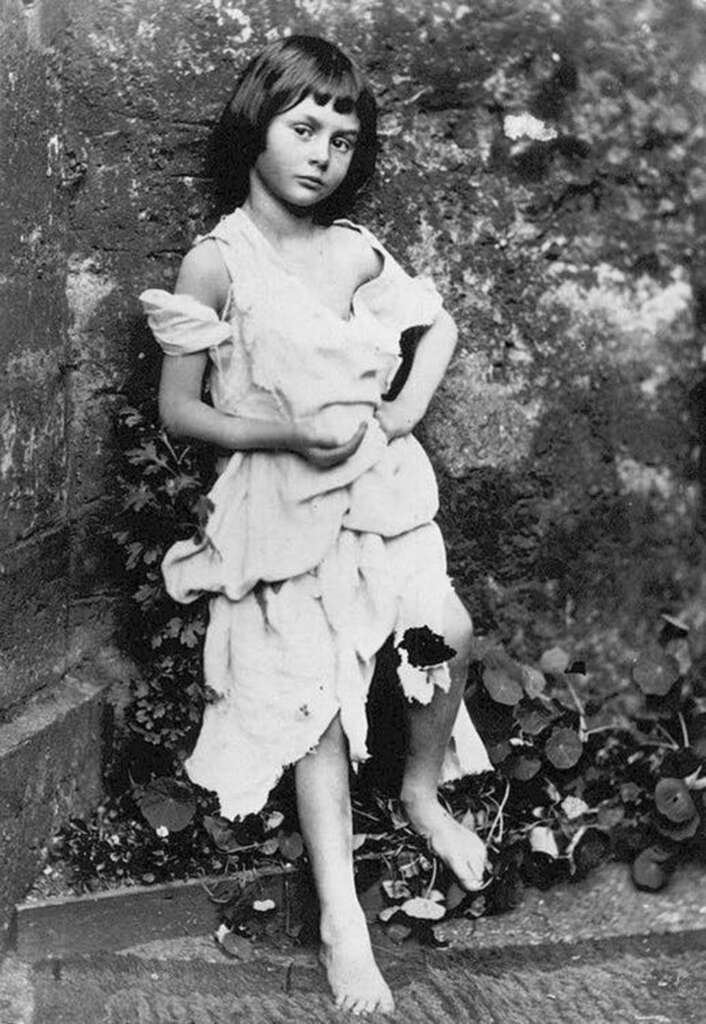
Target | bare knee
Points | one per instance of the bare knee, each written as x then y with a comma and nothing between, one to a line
458,627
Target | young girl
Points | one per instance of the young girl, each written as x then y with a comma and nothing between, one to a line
321,543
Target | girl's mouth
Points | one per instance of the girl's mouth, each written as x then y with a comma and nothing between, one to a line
309,181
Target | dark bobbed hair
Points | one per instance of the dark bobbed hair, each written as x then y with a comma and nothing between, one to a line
282,75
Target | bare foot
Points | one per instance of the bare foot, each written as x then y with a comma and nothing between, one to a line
354,977
460,849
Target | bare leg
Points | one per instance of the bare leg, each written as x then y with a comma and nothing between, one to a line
430,728
323,798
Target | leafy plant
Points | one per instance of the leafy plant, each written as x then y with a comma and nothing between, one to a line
581,774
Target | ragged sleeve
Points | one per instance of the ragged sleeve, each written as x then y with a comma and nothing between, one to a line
395,297
181,324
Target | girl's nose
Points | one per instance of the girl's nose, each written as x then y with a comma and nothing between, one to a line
319,153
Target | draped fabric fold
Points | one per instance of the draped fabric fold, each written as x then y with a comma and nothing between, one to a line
310,570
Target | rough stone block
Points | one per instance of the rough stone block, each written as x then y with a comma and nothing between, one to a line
50,767
33,596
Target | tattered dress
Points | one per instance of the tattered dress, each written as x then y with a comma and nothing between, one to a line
309,570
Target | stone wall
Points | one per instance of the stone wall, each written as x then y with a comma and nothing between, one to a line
541,159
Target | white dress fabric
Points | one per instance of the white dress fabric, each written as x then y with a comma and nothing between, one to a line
310,570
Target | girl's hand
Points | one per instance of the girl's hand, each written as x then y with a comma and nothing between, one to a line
396,419
325,453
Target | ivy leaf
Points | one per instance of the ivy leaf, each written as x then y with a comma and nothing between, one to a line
191,633
202,511
563,748
166,803
502,687
655,673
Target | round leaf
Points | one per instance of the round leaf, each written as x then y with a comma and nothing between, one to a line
292,846
591,848
501,686
166,803
563,748
555,661
655,673
678,832
524,768
648,871
673,800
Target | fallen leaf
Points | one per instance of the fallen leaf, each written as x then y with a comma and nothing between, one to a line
234,945
542,840
396,889
424,909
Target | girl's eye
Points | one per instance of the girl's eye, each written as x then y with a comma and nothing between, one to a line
343,145
303,130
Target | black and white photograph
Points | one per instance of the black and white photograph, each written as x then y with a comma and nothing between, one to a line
353,545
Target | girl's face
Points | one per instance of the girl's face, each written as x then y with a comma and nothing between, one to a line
308,150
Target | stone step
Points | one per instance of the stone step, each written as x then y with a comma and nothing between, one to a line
601,982
595,952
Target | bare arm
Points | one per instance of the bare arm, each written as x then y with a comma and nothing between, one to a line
181,407
431,358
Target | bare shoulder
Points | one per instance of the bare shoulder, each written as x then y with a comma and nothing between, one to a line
352,246
203,275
